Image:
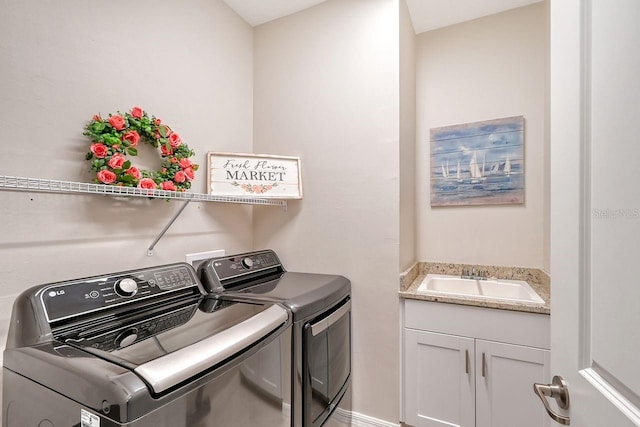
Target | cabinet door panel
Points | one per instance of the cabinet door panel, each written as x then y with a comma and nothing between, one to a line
439,386
504,395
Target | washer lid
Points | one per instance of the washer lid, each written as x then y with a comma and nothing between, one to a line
168,349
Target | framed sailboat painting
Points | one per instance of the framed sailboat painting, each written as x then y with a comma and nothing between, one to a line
480,163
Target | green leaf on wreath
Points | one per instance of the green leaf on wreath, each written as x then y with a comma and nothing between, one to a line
164,132
132,151
126,165
89,155
111,139
97,127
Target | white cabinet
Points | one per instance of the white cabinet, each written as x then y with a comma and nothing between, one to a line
439,379
504,391
470,366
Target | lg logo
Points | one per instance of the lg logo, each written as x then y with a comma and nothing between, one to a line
56,293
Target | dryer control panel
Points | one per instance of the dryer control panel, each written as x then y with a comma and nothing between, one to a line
79,297
230,271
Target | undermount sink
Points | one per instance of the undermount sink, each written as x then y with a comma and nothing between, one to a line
500,289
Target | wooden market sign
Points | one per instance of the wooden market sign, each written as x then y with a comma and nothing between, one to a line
255,175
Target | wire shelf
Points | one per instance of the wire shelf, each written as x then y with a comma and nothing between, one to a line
54,186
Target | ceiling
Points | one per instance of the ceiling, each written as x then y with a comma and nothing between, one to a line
426,14
257,12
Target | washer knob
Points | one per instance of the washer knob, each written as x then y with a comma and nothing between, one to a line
126,287
247,262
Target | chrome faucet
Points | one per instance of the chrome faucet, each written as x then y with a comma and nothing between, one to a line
479,275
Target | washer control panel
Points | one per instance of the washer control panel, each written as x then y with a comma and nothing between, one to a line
75,298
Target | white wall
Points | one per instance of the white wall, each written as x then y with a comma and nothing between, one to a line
407,139
190,63
485,69
327,90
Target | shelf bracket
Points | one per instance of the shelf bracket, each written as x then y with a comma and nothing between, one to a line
166,227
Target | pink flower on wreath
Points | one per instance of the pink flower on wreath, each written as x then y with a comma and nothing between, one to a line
106,176
174,160
164,151
175,140
117,122
168,185
99,150
180,177
97,118
133,137
134,172
157,122
137,112
185,163
189,173
117,161
147,183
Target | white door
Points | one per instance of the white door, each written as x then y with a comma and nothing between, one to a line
595,208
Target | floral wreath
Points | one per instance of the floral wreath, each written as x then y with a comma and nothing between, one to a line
118,136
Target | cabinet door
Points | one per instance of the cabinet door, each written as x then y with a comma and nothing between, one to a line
504,385
439,384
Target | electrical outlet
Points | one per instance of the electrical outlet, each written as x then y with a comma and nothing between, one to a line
197,258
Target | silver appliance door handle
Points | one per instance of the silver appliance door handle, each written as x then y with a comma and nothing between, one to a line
167,371
557,390
323,324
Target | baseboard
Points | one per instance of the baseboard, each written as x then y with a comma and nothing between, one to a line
360,420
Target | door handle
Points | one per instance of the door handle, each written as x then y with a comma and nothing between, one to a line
323,324
557,390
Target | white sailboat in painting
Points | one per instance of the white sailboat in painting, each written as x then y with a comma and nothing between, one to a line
445,171
474,170
458,177
482,172
507,166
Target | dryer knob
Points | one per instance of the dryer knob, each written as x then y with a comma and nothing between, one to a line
126,287
247,262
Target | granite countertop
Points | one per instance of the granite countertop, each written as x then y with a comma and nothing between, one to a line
537,279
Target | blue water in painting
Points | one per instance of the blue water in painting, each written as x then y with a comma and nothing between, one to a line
452,190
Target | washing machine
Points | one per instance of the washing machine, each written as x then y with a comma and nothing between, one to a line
145,348
320,305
